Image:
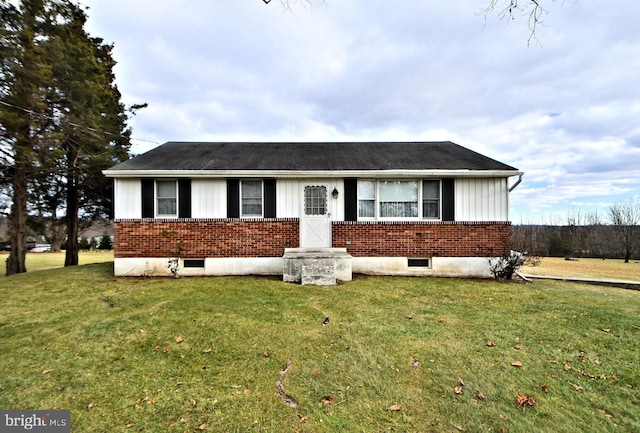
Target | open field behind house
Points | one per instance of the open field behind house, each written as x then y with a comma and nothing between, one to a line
614,269
395,355
40,261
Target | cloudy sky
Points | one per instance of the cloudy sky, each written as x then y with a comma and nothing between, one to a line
564,107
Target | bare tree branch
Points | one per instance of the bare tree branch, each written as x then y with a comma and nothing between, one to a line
512,9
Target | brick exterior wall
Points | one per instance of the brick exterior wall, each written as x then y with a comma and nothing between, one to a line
422,239
199,238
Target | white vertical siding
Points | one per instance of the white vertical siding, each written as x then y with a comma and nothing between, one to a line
481,199
287,198
127,198
208,198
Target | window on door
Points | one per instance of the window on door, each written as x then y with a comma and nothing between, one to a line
315,200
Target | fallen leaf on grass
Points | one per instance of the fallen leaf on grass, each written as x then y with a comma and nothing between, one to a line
479,395
607,330
523,400
328,399
203,426
302,419
47,371
394,408
545,388
518,346
576,387
491,344
517,363
457,390
460,381
90,406
179,340
605,413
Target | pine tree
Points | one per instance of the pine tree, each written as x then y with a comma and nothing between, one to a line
24,75
62,120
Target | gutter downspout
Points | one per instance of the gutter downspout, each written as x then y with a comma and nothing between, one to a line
516,184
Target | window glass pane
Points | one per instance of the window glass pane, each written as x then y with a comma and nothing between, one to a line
431,199
315,200
366,189
366,208
366,198
167,206
252,197
399,199
431,189
166,189
167,194
398,191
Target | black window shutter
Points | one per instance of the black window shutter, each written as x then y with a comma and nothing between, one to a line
184,198
351,199
148,186
233,198
448,200
269,198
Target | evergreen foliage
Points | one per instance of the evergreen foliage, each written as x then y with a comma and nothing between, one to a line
61,120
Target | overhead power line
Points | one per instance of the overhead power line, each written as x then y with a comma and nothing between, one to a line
75,125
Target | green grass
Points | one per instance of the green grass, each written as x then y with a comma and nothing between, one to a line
40,261
106,349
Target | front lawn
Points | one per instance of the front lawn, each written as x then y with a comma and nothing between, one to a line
394,355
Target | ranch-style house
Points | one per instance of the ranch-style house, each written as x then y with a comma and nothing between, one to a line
304,209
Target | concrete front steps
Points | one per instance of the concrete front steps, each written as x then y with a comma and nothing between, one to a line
316,266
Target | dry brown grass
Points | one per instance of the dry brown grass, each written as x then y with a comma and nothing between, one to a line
586,268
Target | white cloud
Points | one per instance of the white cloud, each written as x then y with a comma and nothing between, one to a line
563,109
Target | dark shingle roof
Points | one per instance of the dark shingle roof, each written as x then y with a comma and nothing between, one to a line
320,156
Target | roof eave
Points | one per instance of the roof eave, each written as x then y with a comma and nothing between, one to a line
297,174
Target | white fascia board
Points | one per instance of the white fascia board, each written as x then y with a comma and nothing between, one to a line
296,174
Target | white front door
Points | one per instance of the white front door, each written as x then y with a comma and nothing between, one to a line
315,221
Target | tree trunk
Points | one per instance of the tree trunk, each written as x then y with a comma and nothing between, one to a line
16,262
71,255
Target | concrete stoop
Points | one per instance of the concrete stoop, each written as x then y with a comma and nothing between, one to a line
316,266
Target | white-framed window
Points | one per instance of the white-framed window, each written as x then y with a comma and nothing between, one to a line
366,199
251,198
431,199
396,199
167,198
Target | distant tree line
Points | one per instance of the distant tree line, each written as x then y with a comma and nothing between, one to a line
585,235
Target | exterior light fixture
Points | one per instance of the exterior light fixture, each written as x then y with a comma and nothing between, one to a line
334,193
